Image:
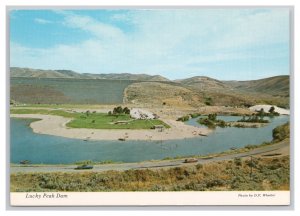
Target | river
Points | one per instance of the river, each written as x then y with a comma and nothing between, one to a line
46,149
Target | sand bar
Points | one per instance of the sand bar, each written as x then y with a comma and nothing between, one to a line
266,108
56,125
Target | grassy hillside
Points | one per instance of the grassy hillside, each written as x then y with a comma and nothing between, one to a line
162,94
38,73
276,86
273,90
204,83
127,76
178,95
34,87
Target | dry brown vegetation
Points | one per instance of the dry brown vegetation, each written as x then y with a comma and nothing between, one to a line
162,94
146,90
195,95
267,174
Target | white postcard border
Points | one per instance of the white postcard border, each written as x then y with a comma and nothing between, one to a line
282,195
150,198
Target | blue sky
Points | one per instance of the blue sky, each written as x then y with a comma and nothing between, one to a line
226,44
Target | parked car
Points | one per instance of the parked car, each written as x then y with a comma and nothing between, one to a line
190,160
85,166
25,162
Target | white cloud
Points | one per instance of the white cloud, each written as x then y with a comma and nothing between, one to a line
269,27
42,21
100,30
162,42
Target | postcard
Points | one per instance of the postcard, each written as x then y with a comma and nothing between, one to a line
150,106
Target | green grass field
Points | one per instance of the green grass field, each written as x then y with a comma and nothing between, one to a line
96,120
104,121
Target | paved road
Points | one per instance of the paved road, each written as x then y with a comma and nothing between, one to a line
281,148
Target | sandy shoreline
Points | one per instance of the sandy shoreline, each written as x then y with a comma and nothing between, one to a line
56,125
266,108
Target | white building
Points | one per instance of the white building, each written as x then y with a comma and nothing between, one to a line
141,114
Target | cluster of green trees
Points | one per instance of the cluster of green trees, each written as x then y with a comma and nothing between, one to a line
184,118
261,113
253,119
195,115
259,116
119,111
211,121
187,117
272,112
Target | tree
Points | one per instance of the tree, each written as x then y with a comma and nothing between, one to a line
244,118
261,113
212,117
117,110
126,110
272,109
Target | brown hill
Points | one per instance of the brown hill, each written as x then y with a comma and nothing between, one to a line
276,86
127,76
204,83
194,91
156,93
38,73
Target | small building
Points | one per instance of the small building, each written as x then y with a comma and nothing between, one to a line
141,114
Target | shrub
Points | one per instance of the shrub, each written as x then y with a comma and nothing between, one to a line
212,117
215,183
195,115
238,161
199,166
254,119
269,174
281,132
183,118
249,147
208,101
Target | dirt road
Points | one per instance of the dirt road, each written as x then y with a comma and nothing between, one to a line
279,149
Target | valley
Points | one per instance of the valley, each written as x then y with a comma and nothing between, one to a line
75,113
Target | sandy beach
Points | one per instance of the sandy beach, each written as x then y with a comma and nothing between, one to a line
56,125
266,108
